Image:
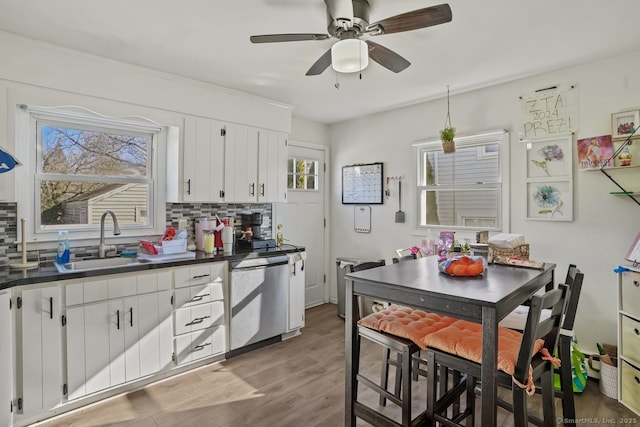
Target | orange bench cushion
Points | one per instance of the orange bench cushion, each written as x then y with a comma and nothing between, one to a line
406,322
464,339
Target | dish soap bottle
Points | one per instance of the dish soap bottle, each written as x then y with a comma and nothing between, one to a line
62,256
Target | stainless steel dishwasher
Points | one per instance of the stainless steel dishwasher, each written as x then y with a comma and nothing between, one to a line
258,292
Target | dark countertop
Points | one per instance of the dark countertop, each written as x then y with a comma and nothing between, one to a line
47,271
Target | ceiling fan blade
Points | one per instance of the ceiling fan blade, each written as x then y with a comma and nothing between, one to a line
386,57
413,20
320,65
341,11
276,38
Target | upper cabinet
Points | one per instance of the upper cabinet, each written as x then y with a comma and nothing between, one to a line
227,163
255,165
203,164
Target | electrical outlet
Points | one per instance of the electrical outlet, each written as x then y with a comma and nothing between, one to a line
182,223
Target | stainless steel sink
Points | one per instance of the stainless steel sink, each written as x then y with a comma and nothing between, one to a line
99,264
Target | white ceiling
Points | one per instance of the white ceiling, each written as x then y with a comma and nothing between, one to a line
488,41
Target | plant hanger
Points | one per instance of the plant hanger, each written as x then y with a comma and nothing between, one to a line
449,132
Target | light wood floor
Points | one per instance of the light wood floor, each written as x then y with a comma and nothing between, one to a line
299,382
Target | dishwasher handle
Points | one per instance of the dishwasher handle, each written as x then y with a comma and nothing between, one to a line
258,263
259,267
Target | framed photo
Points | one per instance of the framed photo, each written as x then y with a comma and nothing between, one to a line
550,158
622,124
633,254
550,200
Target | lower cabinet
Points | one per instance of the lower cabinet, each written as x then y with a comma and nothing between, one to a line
199,312
39,340
118,340
296,291
6,362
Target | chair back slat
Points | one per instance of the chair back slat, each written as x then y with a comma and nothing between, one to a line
351,268
397,260
547,329
572,303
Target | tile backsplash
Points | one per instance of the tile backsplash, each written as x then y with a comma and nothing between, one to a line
174,212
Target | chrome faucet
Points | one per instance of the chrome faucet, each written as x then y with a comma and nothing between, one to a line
102,248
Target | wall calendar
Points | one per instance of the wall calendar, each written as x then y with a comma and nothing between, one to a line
362,184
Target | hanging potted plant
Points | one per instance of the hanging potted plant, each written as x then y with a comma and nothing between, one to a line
449,132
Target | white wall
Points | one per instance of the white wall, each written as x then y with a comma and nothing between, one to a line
603,227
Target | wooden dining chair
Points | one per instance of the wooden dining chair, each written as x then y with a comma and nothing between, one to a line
574,280
518,369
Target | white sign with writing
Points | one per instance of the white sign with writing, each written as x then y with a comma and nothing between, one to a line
548,112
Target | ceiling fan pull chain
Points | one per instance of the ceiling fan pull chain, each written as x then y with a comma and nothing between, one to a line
337,85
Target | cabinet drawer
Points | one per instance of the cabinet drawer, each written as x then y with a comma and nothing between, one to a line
630,298
199,294
630,338
198,317
196,345
196,275
630,386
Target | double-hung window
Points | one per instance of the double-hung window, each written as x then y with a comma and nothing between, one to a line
464,189
85,164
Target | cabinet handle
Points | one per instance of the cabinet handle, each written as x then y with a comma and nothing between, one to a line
636,283
201,346
201,276
252,192
50,307
118,319
636,331
189,186
131,318
199,297
222,194
197,320
262,189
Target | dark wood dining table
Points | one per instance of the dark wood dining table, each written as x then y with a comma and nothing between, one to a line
485,299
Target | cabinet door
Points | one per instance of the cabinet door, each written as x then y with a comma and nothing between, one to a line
272,163
6,367
88,348
154,329
241,163
197,134
296,292
203,163
124,348
40,376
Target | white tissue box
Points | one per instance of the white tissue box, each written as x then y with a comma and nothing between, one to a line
506,240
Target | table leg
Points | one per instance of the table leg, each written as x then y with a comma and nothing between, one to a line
489,365
352,352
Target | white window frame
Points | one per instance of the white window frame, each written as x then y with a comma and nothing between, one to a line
306,175
27,117
500,137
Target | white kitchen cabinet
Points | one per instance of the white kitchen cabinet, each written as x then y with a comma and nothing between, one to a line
255,165
6,362
200,177
39,364
241,163
124,337
296,291
199,314
272,167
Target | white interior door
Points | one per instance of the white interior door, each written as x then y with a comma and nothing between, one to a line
303,218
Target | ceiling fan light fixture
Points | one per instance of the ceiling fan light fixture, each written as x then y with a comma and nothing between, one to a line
349,56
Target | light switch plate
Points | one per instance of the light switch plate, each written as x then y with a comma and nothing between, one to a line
182,223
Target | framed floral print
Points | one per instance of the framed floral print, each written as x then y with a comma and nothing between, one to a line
549,181
550,200
549,158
